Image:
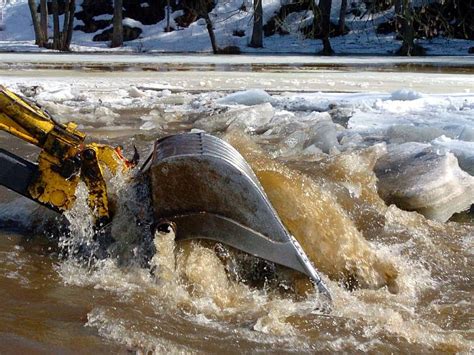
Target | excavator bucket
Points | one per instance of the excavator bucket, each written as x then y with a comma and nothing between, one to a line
205,188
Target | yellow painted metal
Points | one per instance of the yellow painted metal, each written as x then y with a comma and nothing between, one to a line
109,157
25,114
95,182
64,160
11,127
50,187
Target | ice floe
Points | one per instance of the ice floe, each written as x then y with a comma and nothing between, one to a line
406,95
464,151
417,177
248,98
248,118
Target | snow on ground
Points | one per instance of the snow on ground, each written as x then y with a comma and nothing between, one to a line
18,34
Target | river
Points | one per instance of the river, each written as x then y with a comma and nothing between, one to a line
400,283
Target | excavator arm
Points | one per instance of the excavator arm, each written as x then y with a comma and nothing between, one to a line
200,184
64,161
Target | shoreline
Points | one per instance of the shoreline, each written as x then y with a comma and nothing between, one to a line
119,61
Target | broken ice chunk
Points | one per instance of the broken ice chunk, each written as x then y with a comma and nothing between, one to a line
148,126
135,92
349,139
324,136
467,134
408,133
464,151
105,115
58,95
415,178
248,98
175,99
254,118
294,143
341,115
406,95
248,119
307,102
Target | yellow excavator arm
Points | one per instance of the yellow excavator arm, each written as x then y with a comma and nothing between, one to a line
188,174
65,159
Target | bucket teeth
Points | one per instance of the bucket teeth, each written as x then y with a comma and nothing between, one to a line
208,191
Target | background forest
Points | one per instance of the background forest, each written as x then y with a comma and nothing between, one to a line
404,27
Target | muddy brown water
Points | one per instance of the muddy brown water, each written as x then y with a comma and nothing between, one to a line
414,296
400,283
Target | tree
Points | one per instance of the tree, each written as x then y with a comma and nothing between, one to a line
168,14
117,35
210,30
68,27
44,19
404,23
56,32
342,17
325,6
39,35
322,22
62,39
201,8
257,32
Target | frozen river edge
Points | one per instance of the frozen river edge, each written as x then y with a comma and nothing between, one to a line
199,73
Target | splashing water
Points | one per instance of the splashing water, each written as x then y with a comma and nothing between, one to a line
318,221
389,271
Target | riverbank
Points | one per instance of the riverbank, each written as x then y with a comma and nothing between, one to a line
232,28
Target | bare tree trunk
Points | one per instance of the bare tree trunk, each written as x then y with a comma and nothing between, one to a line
65,24
62,38
200,8
257,32
117,35
398,10
404,23
168,10
210,30
44,20
407,27
68,27
36,23
56,33
342,16
321,22
325,6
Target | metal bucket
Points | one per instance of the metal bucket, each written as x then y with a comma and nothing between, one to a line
205,188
